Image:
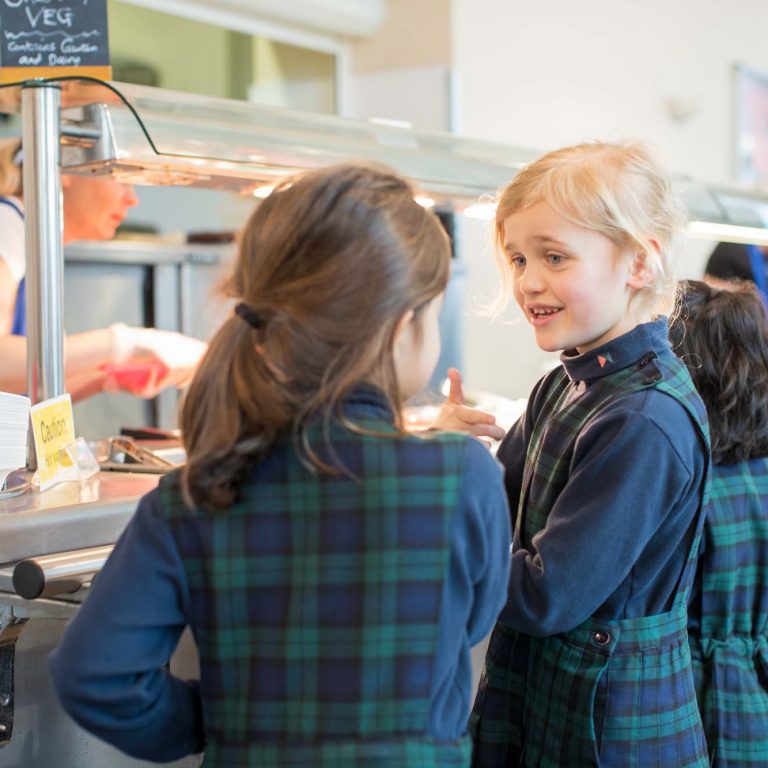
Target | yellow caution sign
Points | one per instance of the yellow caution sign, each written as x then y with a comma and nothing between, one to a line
53,429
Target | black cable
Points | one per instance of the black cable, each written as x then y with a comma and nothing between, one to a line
97,81
124,99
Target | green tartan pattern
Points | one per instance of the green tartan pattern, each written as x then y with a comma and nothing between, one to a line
561,698
614,693
315,602
729,631
546,471
343,754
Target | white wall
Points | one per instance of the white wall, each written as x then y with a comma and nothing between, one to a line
380,93
415,33
556,72
403,71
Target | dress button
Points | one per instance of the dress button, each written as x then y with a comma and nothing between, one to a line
602,638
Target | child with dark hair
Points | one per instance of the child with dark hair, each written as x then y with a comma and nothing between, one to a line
334,569
722,336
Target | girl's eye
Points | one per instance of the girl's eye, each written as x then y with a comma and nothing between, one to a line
517,262
555,258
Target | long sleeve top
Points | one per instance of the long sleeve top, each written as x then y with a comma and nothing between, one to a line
617,536
319,603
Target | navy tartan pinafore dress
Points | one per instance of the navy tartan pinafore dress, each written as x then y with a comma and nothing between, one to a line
728,617
606,693
287,681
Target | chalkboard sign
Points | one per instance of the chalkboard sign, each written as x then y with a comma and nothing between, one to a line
45,38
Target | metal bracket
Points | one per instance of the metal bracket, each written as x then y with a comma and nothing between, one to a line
86,137
8,639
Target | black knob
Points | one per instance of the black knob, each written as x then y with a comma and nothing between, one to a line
28,579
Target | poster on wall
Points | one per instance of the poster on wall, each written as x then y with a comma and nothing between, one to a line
751,109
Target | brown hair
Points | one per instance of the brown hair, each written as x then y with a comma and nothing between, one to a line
327,266
10,170
617,190
722,336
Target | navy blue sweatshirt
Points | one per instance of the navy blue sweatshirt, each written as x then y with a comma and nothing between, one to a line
618,535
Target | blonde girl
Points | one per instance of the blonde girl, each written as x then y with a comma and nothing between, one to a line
605,474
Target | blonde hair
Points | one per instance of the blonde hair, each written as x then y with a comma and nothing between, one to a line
617,190
10,171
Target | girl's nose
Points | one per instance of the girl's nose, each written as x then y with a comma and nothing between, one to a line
531,280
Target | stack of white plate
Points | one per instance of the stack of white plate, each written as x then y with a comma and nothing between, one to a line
14,423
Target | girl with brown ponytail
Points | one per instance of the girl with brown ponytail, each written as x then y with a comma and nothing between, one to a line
334,569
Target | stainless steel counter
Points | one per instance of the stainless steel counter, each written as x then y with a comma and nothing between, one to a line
36,732
71,515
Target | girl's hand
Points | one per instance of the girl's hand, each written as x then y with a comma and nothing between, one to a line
454,416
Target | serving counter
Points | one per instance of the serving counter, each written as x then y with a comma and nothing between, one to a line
69,516
34,731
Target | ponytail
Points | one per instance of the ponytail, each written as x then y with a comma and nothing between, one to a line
231,390
327,266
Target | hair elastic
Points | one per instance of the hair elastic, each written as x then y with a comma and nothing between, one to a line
250,315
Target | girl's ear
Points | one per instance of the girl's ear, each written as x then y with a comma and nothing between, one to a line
641,273
402,325
403,346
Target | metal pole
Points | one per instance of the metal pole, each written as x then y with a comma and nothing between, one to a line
41,114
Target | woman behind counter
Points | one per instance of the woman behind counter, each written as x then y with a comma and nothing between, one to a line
93,207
